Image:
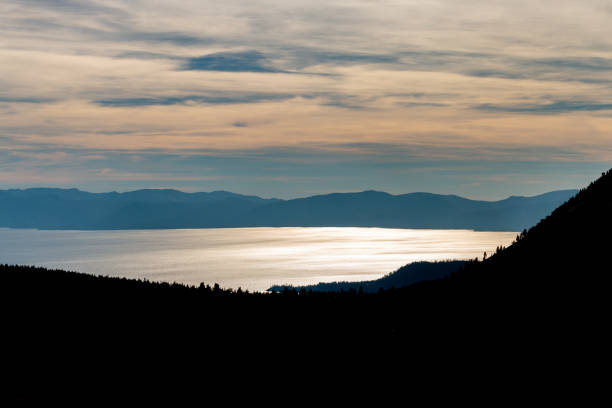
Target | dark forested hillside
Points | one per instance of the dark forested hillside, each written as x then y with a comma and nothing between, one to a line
46,208
563,257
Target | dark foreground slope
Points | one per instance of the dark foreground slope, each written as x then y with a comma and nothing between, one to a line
564,258
56,301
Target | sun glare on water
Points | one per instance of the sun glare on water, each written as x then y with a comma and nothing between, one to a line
251,258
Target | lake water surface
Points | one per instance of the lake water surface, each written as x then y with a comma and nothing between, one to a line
251,258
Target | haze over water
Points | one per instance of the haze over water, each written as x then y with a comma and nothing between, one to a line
251,258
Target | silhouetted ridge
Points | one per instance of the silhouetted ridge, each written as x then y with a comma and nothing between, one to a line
404,276
561,261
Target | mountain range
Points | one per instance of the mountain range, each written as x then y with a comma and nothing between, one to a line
51,208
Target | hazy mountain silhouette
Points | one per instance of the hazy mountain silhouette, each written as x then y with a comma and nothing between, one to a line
47,208
414,210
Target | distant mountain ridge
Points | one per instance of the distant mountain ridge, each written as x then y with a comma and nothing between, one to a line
51,208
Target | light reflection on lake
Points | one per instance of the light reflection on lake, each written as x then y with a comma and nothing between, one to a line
252,258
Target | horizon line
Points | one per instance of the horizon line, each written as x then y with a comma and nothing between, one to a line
285,199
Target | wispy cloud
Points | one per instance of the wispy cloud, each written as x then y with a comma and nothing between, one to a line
242,61
25,100
41,156
557,107
219,99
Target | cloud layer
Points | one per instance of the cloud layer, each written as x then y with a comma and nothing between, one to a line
347,82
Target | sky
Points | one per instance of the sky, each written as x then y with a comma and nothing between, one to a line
291,98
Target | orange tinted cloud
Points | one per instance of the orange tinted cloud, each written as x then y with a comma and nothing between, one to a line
447,80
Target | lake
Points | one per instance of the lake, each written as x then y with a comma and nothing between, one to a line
251,258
